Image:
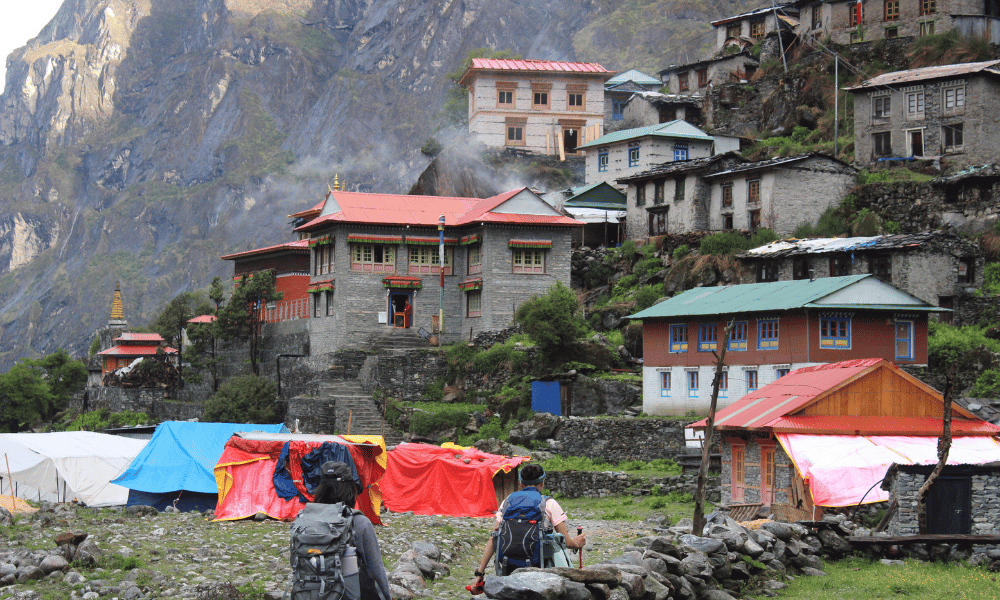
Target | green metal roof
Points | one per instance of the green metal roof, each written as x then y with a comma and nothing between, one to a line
634,76
673,129
600,195
853,292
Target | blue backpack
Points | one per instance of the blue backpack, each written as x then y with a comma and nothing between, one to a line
518,540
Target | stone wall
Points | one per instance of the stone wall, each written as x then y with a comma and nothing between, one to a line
985,502
599,484
615,440
973,309
405,376
152,401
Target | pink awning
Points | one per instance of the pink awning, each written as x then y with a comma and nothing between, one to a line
840,469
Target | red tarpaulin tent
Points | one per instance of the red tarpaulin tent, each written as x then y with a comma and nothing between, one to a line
244,473
453,481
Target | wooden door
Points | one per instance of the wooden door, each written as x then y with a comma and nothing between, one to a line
738,477
767,475
949,505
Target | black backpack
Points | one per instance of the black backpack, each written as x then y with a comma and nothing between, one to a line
518,541
322,553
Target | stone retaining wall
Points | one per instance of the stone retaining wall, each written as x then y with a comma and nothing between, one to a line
151,401
594,484
615,440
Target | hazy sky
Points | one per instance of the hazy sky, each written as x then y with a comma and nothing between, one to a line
22,21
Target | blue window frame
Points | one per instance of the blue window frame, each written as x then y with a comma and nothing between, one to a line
781,372
707,337
751,381
835,332
664,384
724,384
617,110
692,384
738,336
680,151
602,160
633,154
767,334
679,338
904,340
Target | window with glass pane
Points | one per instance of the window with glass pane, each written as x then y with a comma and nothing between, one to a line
891,10
602,160
727,195
767,334
904,340
529,261
373,257
753,190
692,384
953,136
707,337
724,384
881,106
928,7
633,154
426,259
664,383
678,338
474,298
475,258
738,336
954,99
751,380
835,332
679,184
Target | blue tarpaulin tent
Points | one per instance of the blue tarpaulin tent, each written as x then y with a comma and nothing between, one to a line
176,468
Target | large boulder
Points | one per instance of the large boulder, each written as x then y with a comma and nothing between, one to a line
539,427
523,585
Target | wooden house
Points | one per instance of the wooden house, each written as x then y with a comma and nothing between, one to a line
290,263
824,436
778,327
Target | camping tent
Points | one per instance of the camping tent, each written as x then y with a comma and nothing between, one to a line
61,466
450,480
176,467
276,473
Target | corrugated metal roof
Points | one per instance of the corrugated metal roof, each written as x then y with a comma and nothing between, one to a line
747,298
875,426
794,247
123,350
528,65
400,209
672,129
938,72
789,8
129,336
634,76
296,246
600,195
708,61
682,166
203,319
656,98
775,162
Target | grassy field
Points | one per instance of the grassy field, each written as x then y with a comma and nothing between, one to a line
859,579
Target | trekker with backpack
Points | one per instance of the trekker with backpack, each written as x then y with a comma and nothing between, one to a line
334,552
522,520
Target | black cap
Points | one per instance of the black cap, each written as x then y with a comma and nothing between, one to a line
336,470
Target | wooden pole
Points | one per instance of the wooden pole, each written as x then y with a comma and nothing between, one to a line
944,446
10,478
350,417
706,451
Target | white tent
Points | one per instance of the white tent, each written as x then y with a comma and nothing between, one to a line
66,465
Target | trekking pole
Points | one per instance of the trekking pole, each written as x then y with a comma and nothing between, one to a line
579,531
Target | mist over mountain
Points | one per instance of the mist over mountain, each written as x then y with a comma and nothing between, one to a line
143,139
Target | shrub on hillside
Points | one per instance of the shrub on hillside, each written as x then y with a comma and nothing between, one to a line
245,399
647,295
552,321
731,242
647,266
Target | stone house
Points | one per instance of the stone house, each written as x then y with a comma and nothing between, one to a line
949,112
779,326
824,436
848,22
751,27
375,267
539,106
735,194
650,108
939,268
962,500
617,92
290,263
622,153
698,77
675,196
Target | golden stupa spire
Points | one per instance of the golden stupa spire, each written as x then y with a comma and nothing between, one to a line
117,312
336,181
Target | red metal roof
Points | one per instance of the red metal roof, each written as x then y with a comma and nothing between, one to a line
773,406
135,351
297,245
128,336
203,319
880,426
551,66
400,209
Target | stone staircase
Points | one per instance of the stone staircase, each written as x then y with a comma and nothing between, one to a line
402,339
356,410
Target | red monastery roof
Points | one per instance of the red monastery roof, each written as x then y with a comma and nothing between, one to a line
297,245
135,351
773,406
128,336
399,209
203,319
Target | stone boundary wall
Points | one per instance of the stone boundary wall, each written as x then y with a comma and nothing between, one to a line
975,309
985,503
405,376
594,484
615,440
148,400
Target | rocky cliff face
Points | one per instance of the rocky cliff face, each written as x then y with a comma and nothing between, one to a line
142,139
